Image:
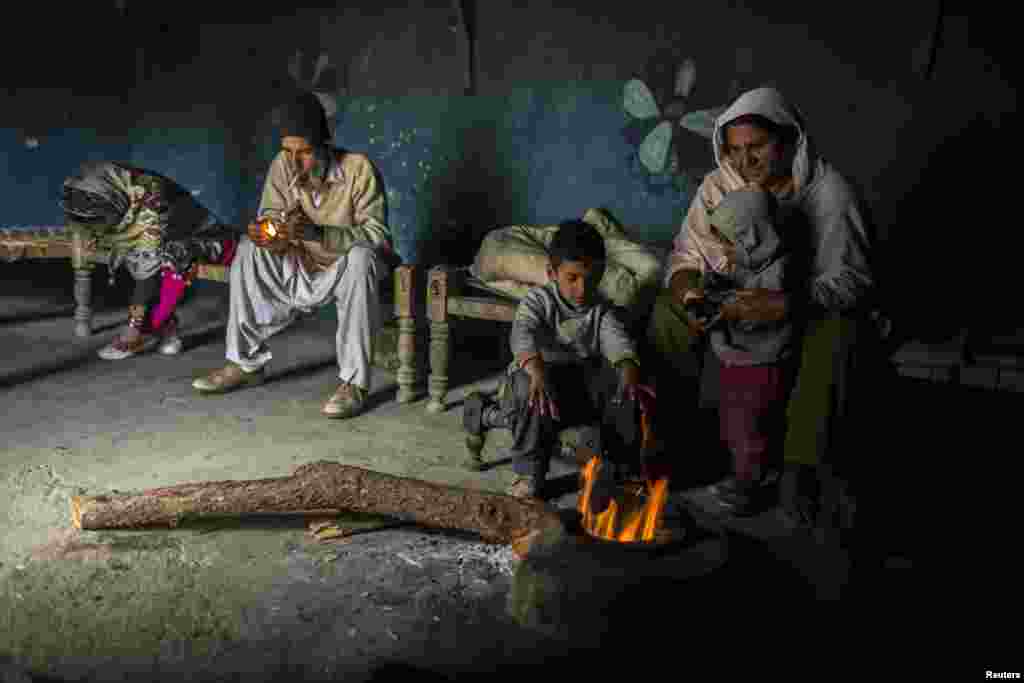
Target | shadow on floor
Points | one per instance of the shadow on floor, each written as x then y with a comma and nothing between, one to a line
61,312
70,361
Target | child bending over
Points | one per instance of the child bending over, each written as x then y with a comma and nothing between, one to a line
574,364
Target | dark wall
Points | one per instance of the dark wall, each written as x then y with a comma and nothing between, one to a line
187,93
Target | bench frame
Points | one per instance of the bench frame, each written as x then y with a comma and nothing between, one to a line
84,254
446,300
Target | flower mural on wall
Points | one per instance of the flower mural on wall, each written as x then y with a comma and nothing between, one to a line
655,125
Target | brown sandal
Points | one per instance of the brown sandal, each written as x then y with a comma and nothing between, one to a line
228,378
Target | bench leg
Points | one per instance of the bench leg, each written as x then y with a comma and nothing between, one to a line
406,360
405,301
82,266
83,302
439,359
437,308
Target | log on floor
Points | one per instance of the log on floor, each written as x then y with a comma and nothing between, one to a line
496,518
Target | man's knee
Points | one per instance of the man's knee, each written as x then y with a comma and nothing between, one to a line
362,260
519,386
245,247
244,254
661,314
670,345
667,330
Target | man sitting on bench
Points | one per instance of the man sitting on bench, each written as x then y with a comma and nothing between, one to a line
321,236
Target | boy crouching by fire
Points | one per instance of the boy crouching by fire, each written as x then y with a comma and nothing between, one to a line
574,364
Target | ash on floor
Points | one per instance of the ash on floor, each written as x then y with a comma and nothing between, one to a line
396,595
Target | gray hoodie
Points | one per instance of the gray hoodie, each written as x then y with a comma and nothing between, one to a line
561,332
747,219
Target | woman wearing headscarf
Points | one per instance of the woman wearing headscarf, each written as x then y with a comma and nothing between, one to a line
762,140
155,229
330,244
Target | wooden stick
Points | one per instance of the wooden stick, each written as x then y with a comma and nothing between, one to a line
936,41
496,518
469,87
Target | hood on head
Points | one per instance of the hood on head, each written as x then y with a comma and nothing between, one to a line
769,103
104,182
748,218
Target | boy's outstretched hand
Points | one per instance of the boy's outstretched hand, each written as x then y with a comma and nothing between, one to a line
630,388
540,400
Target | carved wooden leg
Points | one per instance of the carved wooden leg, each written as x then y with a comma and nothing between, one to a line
407,376
404,310
82,266
439,336
475,447
83,301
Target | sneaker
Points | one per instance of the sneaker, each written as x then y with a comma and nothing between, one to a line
348,401
725,487
228,378
738,504
729,486
170,342
170,346
739,498
798,495
480,413
473,413
123,347
529,486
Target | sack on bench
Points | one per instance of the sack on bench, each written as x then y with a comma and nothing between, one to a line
515,258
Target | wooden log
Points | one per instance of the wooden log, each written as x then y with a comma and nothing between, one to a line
496,518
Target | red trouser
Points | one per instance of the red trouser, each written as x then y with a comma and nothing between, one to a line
173,285
752,409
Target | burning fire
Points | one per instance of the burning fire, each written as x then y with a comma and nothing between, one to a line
269,229
634,514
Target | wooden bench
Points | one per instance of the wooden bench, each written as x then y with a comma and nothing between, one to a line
63,242
453,293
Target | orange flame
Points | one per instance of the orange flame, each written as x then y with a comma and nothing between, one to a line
269,229
633,515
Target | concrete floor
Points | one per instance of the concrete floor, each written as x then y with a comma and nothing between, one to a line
218,601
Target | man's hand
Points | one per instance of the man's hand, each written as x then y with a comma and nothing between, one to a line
540,400
695,324
290,229
294,227
289,232
275,244
682,283
257,235
757,305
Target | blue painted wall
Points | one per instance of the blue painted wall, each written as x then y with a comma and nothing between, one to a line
453,167
30,178
457,167
197,158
